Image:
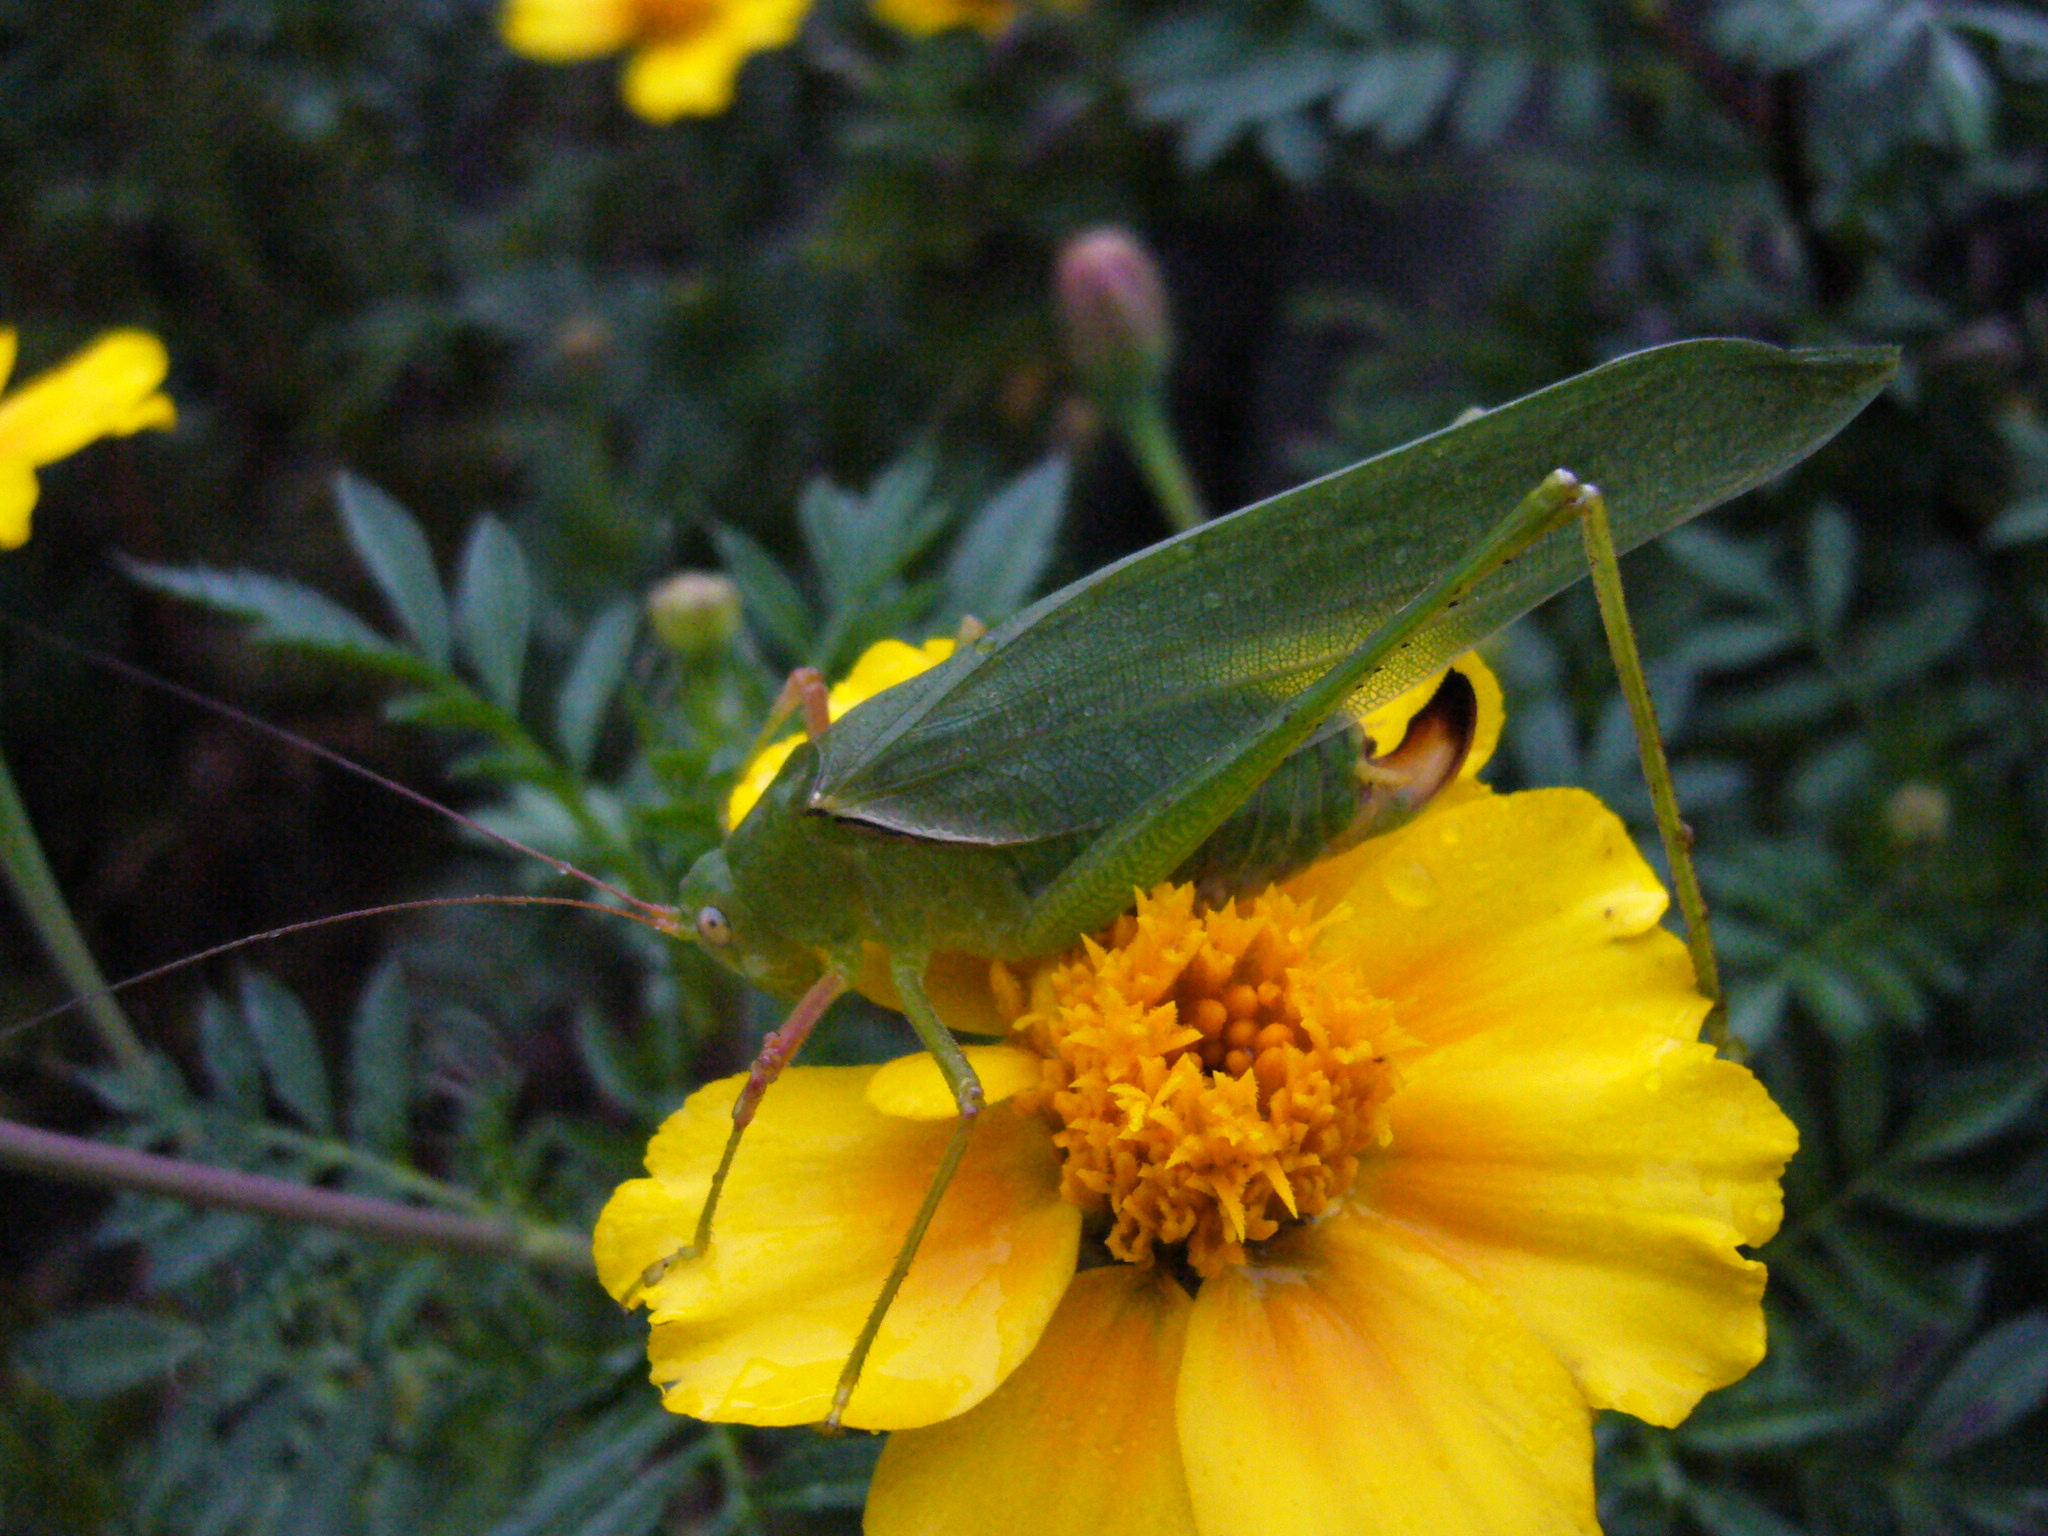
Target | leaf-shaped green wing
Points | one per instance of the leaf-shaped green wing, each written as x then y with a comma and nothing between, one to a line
1070,714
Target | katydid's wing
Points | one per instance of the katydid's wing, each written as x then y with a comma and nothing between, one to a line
1068,716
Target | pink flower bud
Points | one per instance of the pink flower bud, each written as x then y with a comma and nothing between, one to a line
1113,308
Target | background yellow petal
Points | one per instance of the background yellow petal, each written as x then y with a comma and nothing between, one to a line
563,31
1080,1441
1360,1384
97,392
923,18
1484,911
8,342
693,74
17,500
820,1196
1598,1178
913,1086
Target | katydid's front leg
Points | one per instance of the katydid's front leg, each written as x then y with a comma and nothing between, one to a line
908,973
782,1043
804,692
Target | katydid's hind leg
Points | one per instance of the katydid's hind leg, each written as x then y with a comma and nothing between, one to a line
782,1043
1635,688
960,1077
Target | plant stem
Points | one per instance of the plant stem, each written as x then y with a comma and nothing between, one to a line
1153,444
79,1161
1628,662
35,887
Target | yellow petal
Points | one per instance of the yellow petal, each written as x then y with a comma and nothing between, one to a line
17,500
8,342
110,387
913,1087
820,1197
1597,1177
1355,1383
563,31
958,986
1080,1441
692,74
1503,907
1384,727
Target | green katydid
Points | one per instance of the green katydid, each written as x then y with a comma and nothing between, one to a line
1127,727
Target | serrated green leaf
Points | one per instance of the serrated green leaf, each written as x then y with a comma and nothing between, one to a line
1904,648
1773,1428
2022,522
286,614
1978,1202
638,1510
1007,544
1495,87
380,1062
326,1486
1733,569
103,1351
1830,568
1726,1511
232,1066
195,1246
289,1048
494,610
2002,1379
605,1059
1860,1098
1889,1274
1735,643
772,600
1970,1108
589,1471
594,677
394,548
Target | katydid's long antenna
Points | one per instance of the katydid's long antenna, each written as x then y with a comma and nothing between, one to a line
264,727
424,904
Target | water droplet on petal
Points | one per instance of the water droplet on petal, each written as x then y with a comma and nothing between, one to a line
1410,883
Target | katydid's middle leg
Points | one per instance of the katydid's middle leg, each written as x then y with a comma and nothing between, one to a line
959,1073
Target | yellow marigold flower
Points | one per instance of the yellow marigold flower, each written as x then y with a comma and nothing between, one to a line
108,390
1404,1166
924,18
686,53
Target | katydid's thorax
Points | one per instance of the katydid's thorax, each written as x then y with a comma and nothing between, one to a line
833,884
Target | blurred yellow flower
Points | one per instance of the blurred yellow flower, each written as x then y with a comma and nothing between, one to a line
1392,1175
108,390
923,18
686,53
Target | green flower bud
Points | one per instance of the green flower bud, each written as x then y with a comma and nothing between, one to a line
695,612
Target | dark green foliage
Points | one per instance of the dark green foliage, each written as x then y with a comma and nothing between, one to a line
557,353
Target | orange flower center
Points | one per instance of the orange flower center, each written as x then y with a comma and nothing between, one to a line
1209,1073
667,20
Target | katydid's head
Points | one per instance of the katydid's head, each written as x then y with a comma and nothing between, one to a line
712,912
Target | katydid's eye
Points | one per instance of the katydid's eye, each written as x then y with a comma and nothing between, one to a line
712,927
